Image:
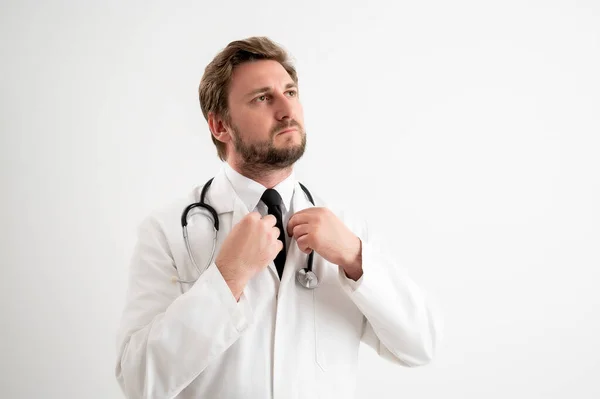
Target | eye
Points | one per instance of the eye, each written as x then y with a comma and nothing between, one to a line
261,98
292,93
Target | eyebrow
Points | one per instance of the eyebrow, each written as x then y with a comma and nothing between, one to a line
267,89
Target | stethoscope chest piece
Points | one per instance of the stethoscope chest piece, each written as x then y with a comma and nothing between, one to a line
307,278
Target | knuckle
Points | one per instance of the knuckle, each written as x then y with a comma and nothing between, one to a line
252,217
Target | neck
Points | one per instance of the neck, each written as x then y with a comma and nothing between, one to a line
268,178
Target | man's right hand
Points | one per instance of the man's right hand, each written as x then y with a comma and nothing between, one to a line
249,248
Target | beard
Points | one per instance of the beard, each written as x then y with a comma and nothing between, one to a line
265,156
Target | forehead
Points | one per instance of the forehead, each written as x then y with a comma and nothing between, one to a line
253,75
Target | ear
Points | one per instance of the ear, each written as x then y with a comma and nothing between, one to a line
218,128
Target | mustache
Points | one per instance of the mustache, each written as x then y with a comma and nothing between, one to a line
285,125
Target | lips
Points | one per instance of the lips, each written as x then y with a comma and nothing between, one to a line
287,131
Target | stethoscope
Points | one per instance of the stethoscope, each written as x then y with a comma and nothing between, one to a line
305,277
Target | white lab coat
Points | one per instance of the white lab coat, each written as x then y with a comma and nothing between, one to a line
280,340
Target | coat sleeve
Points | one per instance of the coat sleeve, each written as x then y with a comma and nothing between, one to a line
166,338
400,322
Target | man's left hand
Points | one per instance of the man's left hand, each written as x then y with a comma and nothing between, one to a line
319,229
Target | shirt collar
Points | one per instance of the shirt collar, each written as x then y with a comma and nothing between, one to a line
251,191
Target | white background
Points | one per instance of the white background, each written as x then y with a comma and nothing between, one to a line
479,122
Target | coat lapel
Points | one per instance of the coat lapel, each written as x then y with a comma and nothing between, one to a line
223,198
220,194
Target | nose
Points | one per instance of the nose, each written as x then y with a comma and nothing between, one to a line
284,108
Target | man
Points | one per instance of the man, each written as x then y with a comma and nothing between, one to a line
246,328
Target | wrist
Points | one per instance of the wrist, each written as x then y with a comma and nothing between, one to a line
353,266
233,278
236,288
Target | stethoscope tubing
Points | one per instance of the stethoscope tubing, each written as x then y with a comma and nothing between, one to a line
305,277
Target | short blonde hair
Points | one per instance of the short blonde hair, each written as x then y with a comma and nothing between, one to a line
214,85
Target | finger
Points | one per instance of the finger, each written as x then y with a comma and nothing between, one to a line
274,232
297,218
269,220
303,244
300,230
278,247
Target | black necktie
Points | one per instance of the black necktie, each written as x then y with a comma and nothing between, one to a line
273,201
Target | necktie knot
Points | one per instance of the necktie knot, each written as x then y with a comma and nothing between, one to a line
271,198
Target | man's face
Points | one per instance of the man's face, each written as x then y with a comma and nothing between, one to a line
267,120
